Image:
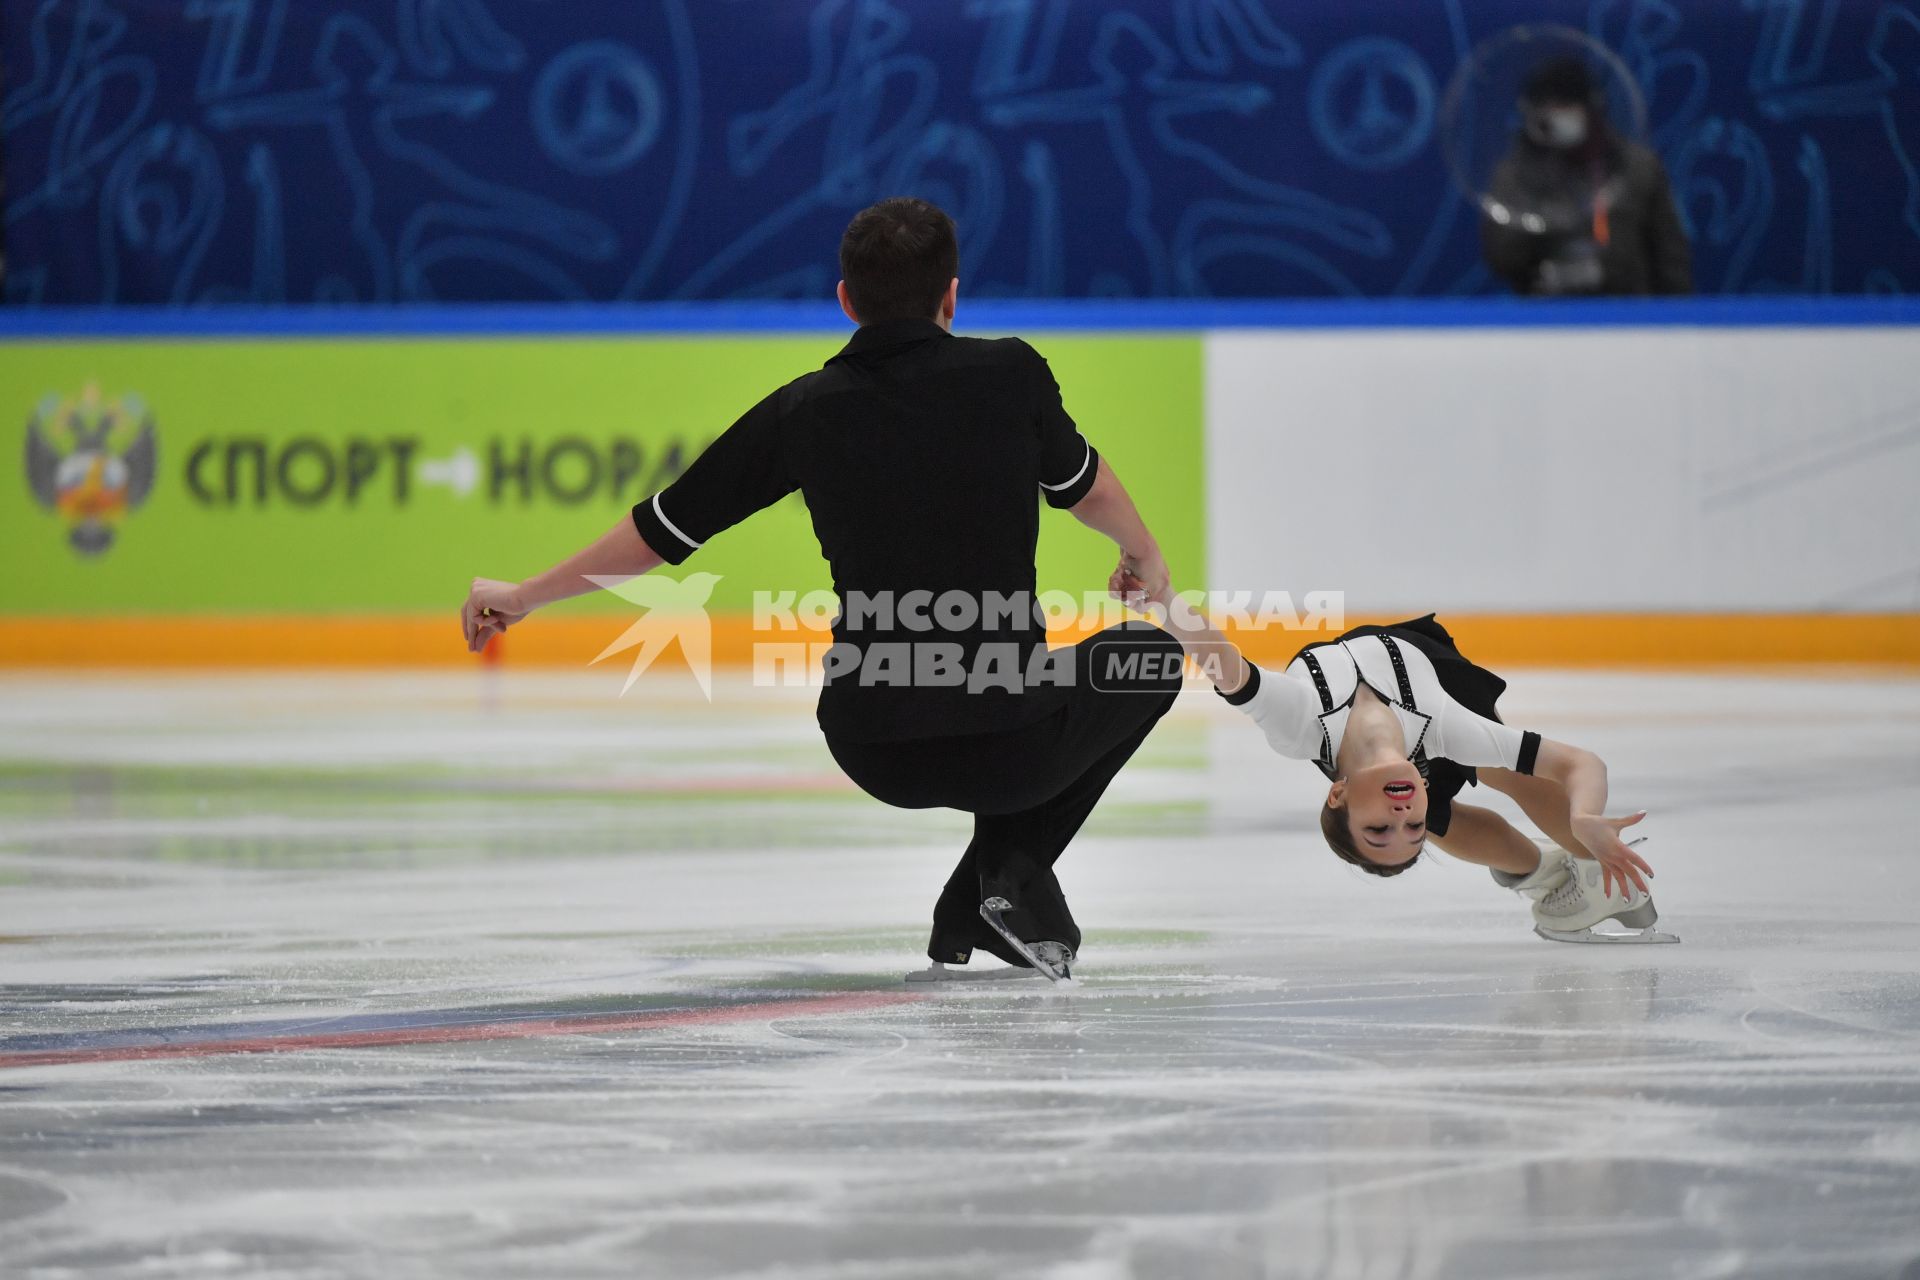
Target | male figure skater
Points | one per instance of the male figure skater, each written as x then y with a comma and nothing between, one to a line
922,458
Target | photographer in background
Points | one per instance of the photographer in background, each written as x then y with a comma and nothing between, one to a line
1575,208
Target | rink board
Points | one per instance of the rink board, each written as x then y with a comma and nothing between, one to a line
1719,481
368,476
1570,471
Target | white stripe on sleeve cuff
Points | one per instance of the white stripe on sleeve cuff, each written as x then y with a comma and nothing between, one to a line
1051,488
674,529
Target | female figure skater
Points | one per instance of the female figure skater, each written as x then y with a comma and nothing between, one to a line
1400,721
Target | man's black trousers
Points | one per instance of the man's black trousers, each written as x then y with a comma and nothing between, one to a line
1029,789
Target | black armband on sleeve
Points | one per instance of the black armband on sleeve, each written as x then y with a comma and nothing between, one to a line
1244,694
1529,752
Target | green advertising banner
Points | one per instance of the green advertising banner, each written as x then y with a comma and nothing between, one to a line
377,475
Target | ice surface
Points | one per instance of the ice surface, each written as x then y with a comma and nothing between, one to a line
388,976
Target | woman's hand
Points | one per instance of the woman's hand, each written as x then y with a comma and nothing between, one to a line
1601,837
490,609
1142,580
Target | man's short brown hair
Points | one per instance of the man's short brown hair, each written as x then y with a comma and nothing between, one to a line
897,258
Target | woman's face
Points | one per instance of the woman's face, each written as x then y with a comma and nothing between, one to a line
1386,811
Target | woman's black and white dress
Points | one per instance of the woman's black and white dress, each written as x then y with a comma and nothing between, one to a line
1444,703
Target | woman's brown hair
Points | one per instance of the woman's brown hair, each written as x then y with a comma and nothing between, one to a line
1333,825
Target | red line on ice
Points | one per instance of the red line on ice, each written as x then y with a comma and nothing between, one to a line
512,1029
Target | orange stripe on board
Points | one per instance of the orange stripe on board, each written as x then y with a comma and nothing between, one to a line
572,640
1655,639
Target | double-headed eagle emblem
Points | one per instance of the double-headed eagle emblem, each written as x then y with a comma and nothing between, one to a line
91,460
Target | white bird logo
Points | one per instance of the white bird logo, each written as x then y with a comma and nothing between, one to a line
675,610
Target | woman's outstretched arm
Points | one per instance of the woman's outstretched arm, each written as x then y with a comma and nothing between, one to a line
1483,837
1543,801
1583,776
493,606
1218,658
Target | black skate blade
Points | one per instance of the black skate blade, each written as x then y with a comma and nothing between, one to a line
1053,970
939,972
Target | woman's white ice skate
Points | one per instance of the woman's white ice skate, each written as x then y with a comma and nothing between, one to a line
1574,909
1556,864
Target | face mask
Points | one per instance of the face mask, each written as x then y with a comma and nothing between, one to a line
1560,127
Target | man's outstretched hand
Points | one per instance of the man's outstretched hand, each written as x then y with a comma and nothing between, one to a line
490,609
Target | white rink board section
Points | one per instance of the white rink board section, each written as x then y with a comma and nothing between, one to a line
1270,1067
1561,470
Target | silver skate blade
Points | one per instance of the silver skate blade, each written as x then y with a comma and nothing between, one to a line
1055,970
938,972
1643,937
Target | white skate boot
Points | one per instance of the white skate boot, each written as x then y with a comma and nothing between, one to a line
1569,911
1556,864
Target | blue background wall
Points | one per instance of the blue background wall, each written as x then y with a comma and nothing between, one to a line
192,151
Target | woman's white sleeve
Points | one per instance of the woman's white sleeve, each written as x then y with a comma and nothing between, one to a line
1286,708
1463,737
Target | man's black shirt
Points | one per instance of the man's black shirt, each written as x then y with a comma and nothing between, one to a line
919,455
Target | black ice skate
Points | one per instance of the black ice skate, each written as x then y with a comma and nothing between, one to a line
1051,959
939,972
952,946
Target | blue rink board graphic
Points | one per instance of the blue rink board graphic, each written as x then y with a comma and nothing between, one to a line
351,151
1170,315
